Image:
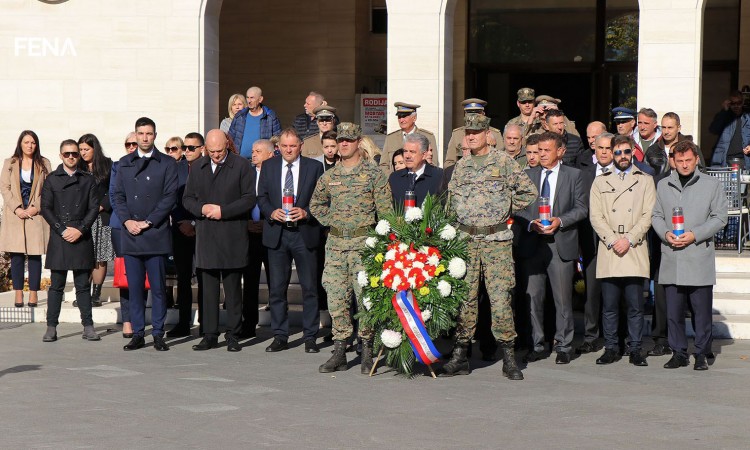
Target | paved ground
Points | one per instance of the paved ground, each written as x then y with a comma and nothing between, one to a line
76,394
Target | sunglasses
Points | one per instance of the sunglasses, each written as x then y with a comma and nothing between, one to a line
171,149
71,154
130,144
627,151
190,148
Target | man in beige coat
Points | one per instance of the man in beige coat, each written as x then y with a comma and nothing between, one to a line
620,208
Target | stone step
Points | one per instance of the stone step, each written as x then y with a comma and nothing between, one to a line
727,303
109,293
731,262
733,283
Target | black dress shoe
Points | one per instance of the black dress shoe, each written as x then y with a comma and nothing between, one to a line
135,343
277,345
311,347
562,358
178,331
588,347
160,345
637,358
207,343
660,350
534,356
608,357
700,363
676,361
233,345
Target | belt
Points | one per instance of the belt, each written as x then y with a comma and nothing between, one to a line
357,232
492,229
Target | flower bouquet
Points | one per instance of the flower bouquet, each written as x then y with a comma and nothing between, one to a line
412,285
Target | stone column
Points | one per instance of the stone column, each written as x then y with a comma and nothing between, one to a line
420,63
670,50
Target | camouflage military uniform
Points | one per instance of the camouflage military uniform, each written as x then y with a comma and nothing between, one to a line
521,122
483,197
349,200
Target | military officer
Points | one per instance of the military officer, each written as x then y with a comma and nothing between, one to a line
349,198
525,105
483,191
325,116
453,151
407,118
543,104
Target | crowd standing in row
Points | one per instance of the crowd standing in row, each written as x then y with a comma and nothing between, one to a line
253,195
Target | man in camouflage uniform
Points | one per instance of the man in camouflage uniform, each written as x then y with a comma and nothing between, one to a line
407,123
453,151
486,187
525,105
349,199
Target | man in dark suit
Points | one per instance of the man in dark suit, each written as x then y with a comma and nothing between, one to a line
574,154
551,250
144,195
219,192
291,234
418,176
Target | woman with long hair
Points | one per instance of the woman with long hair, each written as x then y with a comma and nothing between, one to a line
93,161
23,233
236,103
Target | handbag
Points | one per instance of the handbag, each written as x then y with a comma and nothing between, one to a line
121,277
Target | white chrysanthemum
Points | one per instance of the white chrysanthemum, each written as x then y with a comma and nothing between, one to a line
413,214
426,314
417,265
399,265
390,255
444,288
383,227
385,274
362,278
411,256
457,268
403,247
424,249
448,232
371,242
368,304
390,338
396,282
433,260
412,282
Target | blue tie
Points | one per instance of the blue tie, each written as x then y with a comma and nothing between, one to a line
255,213
545,185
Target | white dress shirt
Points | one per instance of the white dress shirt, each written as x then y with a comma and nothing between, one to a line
214,165
552,184
599,168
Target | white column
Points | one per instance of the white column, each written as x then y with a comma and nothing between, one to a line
420,63
670,50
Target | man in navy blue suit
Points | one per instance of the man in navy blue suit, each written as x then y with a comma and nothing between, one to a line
418,176
291,235
144,195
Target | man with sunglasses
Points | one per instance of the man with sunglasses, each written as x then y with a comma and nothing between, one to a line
734,140
620,206
70,206
407,123
325,117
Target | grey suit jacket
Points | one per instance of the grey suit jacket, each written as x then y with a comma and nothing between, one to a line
570,205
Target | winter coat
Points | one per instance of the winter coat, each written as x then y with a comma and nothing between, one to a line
28,236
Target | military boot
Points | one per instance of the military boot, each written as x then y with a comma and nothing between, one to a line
510,368
337,360
366,356
459,363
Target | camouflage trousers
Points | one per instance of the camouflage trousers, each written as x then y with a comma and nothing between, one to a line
494,260
340,280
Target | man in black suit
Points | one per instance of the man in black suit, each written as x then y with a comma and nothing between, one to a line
550,251
574,154
219,194
291,235
418,176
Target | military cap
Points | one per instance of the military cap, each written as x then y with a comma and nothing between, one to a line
476,122
546,99
348,130
623,113
473,104
407,108
525,94
324,111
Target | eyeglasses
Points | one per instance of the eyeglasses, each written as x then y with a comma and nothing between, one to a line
130,144
627,151
190,148
171,149
325,119
71,154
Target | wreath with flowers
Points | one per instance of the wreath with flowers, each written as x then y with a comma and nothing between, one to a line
412,282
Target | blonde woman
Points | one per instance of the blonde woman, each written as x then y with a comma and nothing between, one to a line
236,103
369,149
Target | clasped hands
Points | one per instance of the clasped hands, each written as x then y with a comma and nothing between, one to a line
135,227
681,241
550,229
295,214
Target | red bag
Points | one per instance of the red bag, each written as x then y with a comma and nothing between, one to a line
121,278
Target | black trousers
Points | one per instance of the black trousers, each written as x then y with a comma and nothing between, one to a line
257,254
613,289
292,247
184,250
593,306
701,298
212,281
83,295
17,269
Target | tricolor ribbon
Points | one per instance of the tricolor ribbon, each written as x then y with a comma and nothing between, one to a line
411,319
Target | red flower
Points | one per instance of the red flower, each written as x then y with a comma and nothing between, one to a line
428,230
392,236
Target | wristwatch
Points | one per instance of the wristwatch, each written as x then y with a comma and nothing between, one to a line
149,223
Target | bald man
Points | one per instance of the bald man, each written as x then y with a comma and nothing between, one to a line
257,121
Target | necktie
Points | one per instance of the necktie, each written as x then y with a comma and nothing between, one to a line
413,183
255,214
545,185
605,170
622,175
289,181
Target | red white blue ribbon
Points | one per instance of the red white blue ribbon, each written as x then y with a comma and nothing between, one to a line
411,319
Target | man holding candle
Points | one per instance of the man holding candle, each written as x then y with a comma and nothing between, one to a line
418,176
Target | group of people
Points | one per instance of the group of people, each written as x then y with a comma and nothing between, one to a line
530,198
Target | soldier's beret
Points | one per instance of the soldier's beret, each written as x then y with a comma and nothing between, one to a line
526,94
324,111
405,108
476,122
348,131
473,104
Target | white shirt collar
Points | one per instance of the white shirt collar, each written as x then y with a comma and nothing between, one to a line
146,155
420,171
